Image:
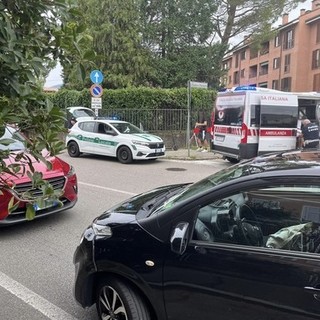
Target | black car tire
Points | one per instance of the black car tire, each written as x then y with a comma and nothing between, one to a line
116,300
73,149
124,155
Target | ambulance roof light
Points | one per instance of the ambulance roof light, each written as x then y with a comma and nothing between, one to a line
245,88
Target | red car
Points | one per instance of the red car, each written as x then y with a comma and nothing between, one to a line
61,177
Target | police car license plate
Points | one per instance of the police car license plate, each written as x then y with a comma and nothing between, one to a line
157,150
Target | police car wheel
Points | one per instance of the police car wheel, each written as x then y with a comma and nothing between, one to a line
124,155
73,149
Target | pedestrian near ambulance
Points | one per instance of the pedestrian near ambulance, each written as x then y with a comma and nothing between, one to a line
310,134
202,137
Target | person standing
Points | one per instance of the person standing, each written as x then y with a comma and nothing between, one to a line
310,134
202,136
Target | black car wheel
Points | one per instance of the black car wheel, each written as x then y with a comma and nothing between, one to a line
73,149
117,301
124,155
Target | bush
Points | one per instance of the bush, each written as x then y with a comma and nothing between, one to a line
137,98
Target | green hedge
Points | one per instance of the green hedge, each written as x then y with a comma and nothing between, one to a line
137,98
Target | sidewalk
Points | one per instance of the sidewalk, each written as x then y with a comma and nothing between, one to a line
192,154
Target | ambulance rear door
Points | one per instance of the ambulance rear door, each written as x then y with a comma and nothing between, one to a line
278,122
228,118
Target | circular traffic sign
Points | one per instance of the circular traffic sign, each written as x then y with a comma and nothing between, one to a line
96,90
96,76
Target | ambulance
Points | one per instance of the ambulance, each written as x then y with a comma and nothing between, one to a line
251,121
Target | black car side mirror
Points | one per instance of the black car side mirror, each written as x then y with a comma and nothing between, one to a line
179,237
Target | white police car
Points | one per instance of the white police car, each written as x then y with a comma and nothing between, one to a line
113,138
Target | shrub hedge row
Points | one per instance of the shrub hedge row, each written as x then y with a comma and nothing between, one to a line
137,98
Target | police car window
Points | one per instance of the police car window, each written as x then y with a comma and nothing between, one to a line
87,126
283,217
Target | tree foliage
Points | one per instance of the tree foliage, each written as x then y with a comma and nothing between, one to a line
112,26
165,43
236,20
30,37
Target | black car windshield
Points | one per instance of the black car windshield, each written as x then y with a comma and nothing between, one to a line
260,164
126,127
12,140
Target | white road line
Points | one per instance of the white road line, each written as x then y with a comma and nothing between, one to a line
105,188
31,298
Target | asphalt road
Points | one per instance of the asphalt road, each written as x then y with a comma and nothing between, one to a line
36,269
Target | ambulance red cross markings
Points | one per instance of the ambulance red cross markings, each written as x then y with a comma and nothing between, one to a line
248,123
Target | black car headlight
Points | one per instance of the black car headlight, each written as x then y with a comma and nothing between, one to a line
101,230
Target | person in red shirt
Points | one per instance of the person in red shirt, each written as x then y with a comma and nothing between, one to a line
202,136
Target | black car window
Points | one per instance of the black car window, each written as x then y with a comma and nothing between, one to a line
283,217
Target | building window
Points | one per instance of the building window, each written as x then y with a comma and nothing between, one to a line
263,68
236,79
243,55
316,82
253,71
242,73
316,59
229,81
253,53
265,48
318,33
286,84
276,63
288,40
275,84
263,84
236,61
287,59
225,66
277,41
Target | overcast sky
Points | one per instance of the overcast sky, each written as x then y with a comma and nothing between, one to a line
54,78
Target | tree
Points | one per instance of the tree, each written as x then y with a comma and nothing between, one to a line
179,36
236,20
112,26
30,34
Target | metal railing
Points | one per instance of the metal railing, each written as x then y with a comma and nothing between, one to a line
155,120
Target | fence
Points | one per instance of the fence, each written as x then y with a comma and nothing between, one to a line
156,120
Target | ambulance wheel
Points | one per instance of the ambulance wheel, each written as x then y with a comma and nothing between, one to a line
124,155
73,149
232,160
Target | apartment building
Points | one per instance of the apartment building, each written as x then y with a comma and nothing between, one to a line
288,62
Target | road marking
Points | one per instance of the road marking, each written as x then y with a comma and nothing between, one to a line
48,309
105,188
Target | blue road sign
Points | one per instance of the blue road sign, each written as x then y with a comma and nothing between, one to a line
96,76
96,90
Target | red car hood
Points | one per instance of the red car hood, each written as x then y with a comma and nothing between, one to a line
58,168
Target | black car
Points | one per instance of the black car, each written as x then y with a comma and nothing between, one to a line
243,243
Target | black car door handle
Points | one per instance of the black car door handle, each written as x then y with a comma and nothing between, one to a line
312,289
315,291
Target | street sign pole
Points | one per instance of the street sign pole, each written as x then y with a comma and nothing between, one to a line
96,90
192,84
188,117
